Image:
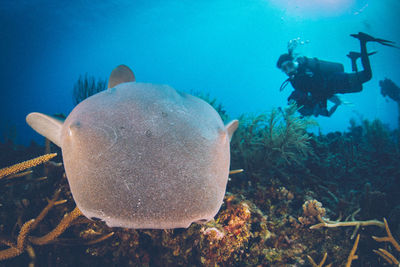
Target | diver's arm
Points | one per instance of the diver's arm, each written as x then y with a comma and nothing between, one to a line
333,109
335,100
318,110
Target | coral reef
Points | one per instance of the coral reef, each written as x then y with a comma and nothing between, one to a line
292,181
312,211
350,259
23,239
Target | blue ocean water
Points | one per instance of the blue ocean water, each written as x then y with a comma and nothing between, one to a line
226,48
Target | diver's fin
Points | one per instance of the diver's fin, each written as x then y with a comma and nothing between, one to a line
355,55
363,37
386,42
231,128
48,126
368,38
121,74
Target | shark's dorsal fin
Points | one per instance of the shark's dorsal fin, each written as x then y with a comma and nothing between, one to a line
231,128
48,126
121,74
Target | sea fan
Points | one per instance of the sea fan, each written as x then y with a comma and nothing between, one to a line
271,140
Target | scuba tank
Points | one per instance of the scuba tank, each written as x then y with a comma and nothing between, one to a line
323,67
316,66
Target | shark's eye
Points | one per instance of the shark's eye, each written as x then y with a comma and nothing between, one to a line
73,127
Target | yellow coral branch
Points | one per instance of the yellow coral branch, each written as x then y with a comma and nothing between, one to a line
332,224
236,171
21,242
387,256
9,253
383,256
17,175
388,238
341,224
25,165
32,255
61,227
353,255
321,263
51,203
102,238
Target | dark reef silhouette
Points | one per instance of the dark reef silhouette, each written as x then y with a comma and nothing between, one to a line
86,86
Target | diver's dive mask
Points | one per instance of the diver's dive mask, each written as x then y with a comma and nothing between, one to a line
290,67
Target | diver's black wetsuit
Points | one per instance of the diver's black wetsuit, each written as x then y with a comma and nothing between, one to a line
303,101
309,84
315,87
309,106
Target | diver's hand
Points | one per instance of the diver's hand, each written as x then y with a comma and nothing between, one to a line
333,109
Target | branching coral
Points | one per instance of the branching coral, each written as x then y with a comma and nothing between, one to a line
321,264
24,240
17,249
352,256
353,223
331,224
61,227
14,169
383,252
313,212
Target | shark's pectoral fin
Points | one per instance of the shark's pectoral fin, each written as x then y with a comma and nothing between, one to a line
121,74
49,127
231,128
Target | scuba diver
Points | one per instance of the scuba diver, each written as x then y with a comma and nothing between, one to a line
390,89
316,81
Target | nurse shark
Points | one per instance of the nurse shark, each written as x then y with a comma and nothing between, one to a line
142,155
